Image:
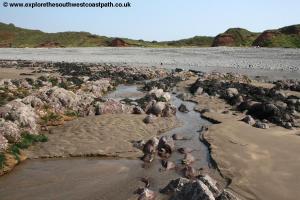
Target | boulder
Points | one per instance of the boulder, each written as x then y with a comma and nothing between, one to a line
183,189
169,111
34,101
166,144
22,115
159,94
137,110
111,106
3,143
231,93
211,184
158,108
249,120
227,195
150,119
10,131
183,108
261,125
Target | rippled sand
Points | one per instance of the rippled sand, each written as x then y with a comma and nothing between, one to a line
104,135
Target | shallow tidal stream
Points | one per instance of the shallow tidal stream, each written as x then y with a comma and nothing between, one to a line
103,179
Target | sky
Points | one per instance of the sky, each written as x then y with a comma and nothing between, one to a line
159,20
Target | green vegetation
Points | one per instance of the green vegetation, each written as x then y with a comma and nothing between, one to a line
71,113
2,160
26,141
7,95
50,117
20,37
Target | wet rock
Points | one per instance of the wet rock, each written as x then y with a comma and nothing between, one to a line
148,158
175,186
249,120
185,150
139,144
176,136
189,172
111,106
166,144
227,195
168,165
261,125
199,91
159,94
10,131
137,110
232,92
288,125
169,111
150,119
183,108
158,108
151,146
166,84
188,159
183,189
211,184
146,194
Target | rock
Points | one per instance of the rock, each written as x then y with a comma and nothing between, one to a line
189,172
10,131
188,159
146,194
211,184
227,195
183,189
150,146
185,150
3,143
199,91
177,137
137,110
148,157
160,94
139,144
168,165
166,144
150,119
249,120
288,125
34,101
183,108
169,111
111,106
232,92
174,186
261,125
158,108
22,115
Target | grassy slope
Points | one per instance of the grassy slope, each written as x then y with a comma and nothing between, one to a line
288,37
19,37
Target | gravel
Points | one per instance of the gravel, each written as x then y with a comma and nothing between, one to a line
275,62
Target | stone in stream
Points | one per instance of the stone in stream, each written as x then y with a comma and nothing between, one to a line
148,158
149,119
261,125
183,189
189,172
227,195
211,184
145,194
183,108
184,150
137,110
179,137
249,120
168,164
166,144
188,159
151,145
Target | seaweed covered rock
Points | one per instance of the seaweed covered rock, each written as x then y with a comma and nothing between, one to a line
10,131
112,106
3,143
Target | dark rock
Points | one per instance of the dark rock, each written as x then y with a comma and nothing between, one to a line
227,195
150,119
138,110
166,144
249,120
168,164
183,108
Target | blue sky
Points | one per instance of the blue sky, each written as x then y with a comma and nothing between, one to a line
157,19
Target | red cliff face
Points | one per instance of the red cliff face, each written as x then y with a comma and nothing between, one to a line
118,43
224,40
265,36
50,45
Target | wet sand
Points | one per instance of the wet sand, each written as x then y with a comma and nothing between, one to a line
261,163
